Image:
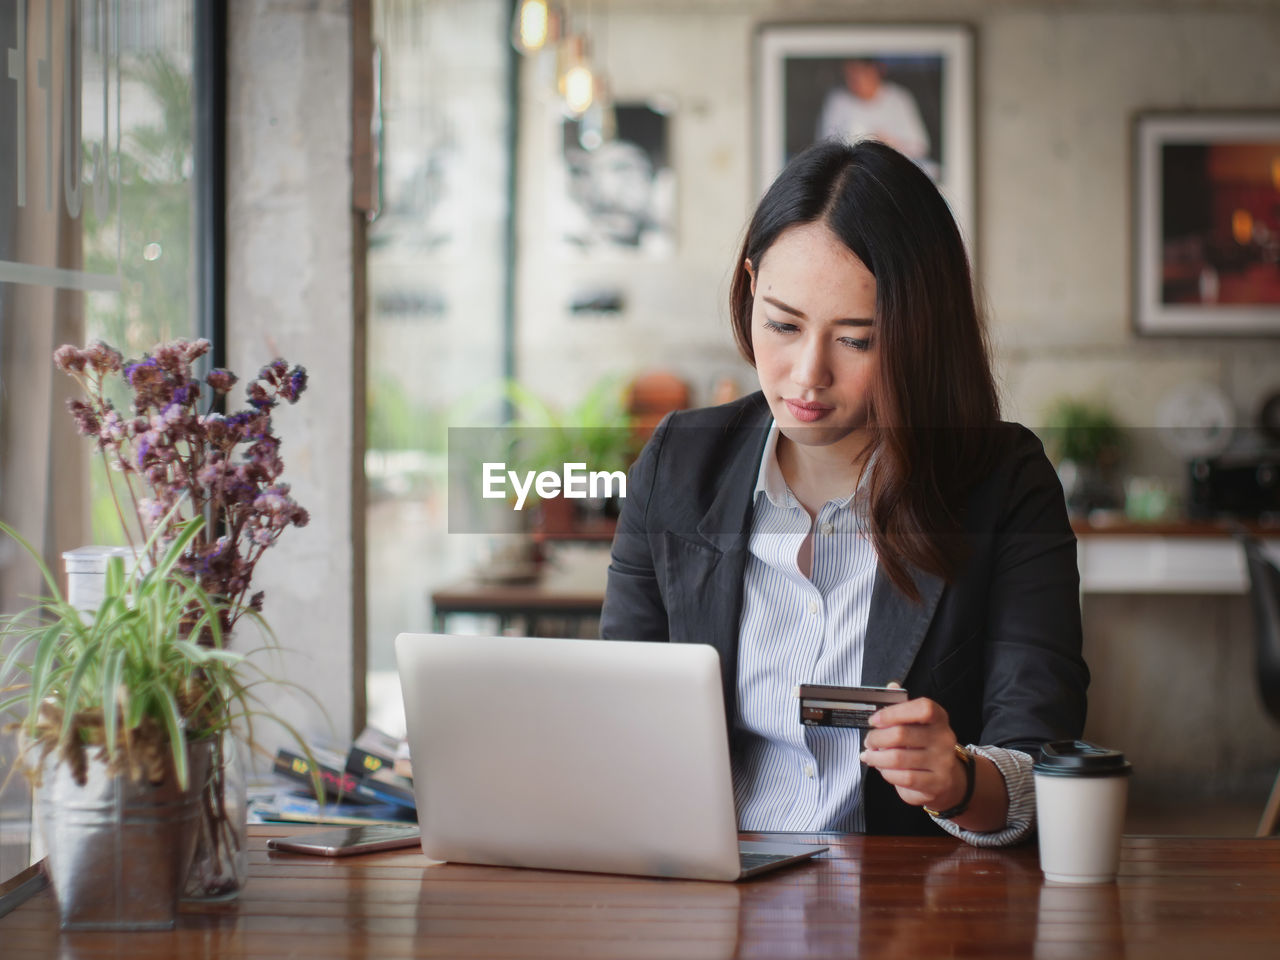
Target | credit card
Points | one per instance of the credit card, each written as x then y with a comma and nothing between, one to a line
823,705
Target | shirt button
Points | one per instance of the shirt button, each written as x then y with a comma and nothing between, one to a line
827,528
808,770
813,606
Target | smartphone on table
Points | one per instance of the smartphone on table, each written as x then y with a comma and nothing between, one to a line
346,841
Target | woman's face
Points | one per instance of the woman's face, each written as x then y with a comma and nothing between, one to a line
813,336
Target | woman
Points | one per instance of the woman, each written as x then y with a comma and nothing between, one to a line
865,519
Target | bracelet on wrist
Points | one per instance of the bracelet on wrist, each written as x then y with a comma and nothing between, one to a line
969,762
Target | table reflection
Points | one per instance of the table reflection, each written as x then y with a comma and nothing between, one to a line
560,914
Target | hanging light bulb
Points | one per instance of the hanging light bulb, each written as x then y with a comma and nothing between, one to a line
578,88
531,28
1242,226
577,85
598,124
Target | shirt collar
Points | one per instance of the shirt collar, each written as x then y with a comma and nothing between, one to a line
772,484
769,480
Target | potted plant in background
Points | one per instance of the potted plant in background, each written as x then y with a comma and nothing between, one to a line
1085,440
173,457
597,431
124,714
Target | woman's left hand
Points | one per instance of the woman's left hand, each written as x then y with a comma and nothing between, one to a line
914,748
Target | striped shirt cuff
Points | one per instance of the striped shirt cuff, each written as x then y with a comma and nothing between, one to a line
1015,768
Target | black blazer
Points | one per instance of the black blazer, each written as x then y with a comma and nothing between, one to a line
999,648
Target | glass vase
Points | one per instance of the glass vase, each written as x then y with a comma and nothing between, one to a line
220,867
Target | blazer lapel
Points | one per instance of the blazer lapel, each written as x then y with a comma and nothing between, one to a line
707,570
727,522
896,628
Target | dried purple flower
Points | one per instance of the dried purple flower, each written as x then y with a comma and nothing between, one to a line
114,429
147,377
153,509
131,368
296,383
228,466
258,397
274,371
221,380
87,422
171,357
69,359
103,358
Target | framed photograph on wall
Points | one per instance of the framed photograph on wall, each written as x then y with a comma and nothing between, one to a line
615,195
1206,224
908,85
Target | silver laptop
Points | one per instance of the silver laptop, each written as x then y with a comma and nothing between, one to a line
596,755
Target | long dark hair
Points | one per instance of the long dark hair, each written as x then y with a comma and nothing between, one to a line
933,403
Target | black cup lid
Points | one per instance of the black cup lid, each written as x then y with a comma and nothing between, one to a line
1079,758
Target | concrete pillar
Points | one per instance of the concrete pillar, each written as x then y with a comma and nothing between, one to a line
291,288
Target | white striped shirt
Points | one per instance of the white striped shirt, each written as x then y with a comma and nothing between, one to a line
796,629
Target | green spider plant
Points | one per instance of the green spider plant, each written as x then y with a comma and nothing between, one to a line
137,679
596,430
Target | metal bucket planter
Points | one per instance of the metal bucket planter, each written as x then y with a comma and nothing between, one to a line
119,851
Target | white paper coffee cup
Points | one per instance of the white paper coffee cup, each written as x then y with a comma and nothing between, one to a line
1081,791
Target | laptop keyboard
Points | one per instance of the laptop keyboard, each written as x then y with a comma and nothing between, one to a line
750,861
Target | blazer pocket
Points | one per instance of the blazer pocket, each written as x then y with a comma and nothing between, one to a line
688,588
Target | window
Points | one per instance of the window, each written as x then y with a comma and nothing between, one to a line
437,280
99,238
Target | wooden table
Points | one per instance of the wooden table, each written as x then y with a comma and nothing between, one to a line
564,600
527,606
1198,557
870,896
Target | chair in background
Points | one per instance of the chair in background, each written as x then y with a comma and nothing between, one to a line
1264,594
650,397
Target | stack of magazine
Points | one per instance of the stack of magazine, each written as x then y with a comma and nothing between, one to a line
360,787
